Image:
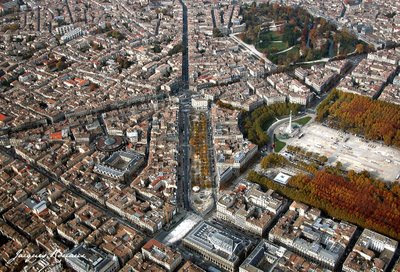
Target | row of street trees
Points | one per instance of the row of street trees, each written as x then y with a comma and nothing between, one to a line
350,196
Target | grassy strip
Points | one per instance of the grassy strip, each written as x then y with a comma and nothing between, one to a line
303,120
279,145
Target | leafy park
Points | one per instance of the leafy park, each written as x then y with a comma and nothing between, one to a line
274,29
256,123
374,119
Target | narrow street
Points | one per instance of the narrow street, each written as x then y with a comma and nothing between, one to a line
74,190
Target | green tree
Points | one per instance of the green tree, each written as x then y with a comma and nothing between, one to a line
217,33
157,49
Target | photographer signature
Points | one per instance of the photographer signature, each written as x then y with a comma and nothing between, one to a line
57,255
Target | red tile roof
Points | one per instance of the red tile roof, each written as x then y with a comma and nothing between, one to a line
153,242
56,135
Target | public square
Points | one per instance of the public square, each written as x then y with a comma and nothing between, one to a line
353,152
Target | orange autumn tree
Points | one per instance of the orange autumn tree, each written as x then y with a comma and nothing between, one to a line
356,198
375,119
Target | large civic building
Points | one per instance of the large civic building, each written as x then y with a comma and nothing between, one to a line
271,257
85,258
110,143
303,230
372,252
250,208
120,164
224,249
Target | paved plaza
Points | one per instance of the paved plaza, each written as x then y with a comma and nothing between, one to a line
353,152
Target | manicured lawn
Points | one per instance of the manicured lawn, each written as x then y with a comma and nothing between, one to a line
279,145
274,58
271,36
277,46
271,42
303,120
